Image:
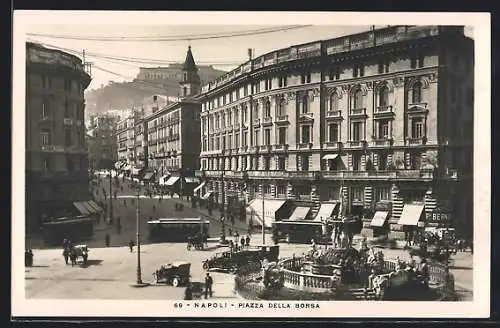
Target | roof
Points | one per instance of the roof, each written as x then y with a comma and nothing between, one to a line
189,64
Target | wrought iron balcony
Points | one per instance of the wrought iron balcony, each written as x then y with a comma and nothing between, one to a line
357,143
280,147
384,142
416,141
304,145
265,148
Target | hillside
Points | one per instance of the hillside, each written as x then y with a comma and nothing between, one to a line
119,96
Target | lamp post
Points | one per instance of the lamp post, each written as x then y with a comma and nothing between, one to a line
263,219
223,240
110,196
138,282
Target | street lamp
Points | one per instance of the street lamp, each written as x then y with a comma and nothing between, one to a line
138,282
223,240
110,197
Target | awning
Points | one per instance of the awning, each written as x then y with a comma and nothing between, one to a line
163,179
126,167
299,213
270,207
199,187
191,180
411,214
96,208
207,194
136,171
171,181
330,156
80,206
325,211
379,218
148,175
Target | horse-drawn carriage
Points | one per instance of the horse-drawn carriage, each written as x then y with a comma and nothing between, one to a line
197,242
175,273
75,252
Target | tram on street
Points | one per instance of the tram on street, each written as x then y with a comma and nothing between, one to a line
297,231
177,229
78,228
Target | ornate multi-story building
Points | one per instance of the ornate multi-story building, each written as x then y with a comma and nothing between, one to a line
376,121
56,155
172,133
102,147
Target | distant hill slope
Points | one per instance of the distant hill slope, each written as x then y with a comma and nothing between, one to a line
119,96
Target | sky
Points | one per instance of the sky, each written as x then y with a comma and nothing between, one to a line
223,53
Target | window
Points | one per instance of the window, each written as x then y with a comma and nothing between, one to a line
255,111
217,143
357,99
46,164
304,104
333,102
237,140
383,129
257,87
66,109
305,78
45,109
185,91
236,116
356,162
383,193
421,61
383,96
383,66
305,134
269,84
382,161
282,82
357,194
304,160
245,139
67,137
416,93
267,137
333,132
356,132
230,97
282,135
45,137
334,73
281,189
281,106
229,142
256,137
256,163
267,163
204,144
267,109
244,113
415,161
358,71
245,90
417,127
243,163
413,62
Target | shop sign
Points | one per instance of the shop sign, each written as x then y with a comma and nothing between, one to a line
438,217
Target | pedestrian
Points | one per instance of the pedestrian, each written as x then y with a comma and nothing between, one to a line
131,245
230,231
208,285
107,240
154,208
313,244
247,241
118,227
242,241
124,202
188,292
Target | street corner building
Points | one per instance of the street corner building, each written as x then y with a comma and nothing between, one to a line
378,123
56,154
164,144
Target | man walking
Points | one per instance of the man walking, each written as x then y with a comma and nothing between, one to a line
131,245
208,285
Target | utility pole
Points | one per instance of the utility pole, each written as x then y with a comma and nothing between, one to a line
138,238
263,219
110,196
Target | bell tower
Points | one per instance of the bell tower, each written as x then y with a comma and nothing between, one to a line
190,83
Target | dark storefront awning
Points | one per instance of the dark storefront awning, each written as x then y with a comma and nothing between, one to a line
199,187
379,219
207,195
326,211
411,214
171,181
87,207
299,213
148,175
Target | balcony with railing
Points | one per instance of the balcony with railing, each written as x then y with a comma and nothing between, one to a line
357,143
267,120
333,145
419,141
265,148
243,149
267,174
334,114
382,142
306,175
378,175
357,112
280,147
306,116
418,108
383,111
304,145
234,174
281,119
256,121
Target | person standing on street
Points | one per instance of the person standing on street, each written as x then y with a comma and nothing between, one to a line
208,285
247,241
242,241
107,240
131,245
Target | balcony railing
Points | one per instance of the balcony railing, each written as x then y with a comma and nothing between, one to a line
383,109
268,120
281,119
382,142
265,148
234,174
357,143
243,149
282,147
403,174
415,141
334,114
357,112
308,116
417,107
304,145
302,174
256,121
336,145
267,174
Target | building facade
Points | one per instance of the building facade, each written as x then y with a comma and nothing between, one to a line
174,72
378,119
125,138
56,155
102,147
172,133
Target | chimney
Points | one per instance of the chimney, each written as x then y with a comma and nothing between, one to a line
249,53
155,105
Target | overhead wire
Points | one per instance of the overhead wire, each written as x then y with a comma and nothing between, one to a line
192,37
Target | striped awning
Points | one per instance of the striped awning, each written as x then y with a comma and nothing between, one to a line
148,175
411,214
191,180
379,219
171,181
325,211
299,213
87,207
199,187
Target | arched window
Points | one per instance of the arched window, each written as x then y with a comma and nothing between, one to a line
281,106
185,91
267,112
305,104
383,96
357,99
333,102
416,93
